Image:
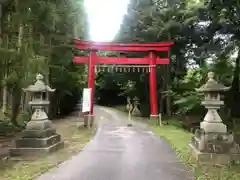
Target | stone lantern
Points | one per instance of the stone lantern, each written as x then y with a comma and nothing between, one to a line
39,136
212,144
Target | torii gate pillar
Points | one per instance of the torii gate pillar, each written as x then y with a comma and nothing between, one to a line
89,118
153,86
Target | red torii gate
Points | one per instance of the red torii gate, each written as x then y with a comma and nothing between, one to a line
152,60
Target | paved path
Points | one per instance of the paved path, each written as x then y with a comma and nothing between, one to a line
118,152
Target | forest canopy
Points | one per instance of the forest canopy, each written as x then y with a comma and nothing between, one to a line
36,37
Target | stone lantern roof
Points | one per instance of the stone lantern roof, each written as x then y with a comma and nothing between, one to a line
39,86
212,85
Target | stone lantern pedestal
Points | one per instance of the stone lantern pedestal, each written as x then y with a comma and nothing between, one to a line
39,137
212,144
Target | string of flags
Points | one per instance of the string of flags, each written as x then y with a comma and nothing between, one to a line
123,68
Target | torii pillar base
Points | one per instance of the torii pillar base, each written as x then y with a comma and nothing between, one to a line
155,119
89,120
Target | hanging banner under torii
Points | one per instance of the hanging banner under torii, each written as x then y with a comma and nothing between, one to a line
86,104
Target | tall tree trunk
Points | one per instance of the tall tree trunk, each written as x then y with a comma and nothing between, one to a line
162,89
26,101
168,82
5,94
5,90
16,102
4,99
25,95
16,98
168,96
234,91
22,101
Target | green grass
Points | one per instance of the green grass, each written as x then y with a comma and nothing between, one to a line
179,140
74,140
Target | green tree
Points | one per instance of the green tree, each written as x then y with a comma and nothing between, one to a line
36,37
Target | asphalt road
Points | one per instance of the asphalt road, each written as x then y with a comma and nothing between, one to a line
118,152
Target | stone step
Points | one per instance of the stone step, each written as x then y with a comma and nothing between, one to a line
38,142
210,158
36,151
212,146
39,134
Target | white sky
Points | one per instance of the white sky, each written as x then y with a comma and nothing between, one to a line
105,17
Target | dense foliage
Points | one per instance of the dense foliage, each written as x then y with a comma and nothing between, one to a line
206,39
36,37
